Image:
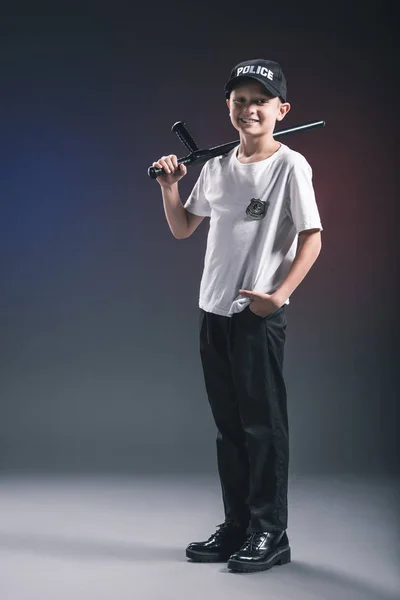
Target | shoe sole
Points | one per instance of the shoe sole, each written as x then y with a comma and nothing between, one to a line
281,557
199,557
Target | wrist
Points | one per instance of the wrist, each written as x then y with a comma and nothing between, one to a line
169,187
279,298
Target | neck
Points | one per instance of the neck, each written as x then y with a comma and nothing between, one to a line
256,148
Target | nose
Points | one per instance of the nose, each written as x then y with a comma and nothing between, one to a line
249,107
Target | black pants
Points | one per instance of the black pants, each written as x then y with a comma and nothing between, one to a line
242,358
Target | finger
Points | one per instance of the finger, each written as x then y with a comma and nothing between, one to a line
173,163
166,164
247,293
250,294
159,164
170,160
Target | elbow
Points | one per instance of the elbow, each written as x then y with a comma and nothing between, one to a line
180,235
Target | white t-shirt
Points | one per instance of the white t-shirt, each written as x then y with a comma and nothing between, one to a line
243,251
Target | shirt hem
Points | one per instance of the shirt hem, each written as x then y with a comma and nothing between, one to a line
306,226
197,212
225,313
215,311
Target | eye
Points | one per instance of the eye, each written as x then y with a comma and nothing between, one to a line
262,101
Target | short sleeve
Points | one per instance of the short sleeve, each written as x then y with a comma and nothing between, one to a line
303,206
197,202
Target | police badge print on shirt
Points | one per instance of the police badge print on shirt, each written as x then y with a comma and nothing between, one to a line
257,209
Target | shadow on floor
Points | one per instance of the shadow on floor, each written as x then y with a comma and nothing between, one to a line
298,580
308,582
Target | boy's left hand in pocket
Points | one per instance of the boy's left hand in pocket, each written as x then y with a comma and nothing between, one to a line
261,304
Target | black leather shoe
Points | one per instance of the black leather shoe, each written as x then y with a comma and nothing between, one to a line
228,538
261,551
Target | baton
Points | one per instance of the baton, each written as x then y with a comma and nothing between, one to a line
200,156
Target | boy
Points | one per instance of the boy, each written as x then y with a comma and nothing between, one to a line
263,239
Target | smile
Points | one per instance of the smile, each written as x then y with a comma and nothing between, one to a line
249,120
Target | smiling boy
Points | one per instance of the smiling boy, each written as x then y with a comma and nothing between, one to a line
264,237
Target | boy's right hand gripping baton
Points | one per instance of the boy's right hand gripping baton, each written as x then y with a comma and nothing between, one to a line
198,156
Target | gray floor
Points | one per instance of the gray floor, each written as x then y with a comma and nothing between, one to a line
124,538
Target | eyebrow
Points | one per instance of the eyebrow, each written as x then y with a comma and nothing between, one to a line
260,97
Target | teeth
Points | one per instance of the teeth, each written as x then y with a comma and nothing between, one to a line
250,120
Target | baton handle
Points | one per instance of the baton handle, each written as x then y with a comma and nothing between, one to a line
198,157
184,135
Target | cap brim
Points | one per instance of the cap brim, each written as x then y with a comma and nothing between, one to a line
233,82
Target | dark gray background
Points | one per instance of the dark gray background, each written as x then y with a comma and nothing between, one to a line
98,302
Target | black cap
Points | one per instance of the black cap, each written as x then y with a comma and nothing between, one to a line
267,72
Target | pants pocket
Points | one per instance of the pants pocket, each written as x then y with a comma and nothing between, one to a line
271,316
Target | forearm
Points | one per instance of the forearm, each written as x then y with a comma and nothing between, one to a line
175,212
307,253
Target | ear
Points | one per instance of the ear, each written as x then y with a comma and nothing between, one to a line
283,110
228,103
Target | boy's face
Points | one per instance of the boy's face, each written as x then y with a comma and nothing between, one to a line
253,111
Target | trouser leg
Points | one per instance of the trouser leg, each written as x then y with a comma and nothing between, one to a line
257,349
232,458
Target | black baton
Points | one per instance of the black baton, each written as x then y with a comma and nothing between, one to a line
198,156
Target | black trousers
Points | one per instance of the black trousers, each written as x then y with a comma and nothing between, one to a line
242,358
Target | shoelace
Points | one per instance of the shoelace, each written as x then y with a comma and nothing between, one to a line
252,541
223,529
